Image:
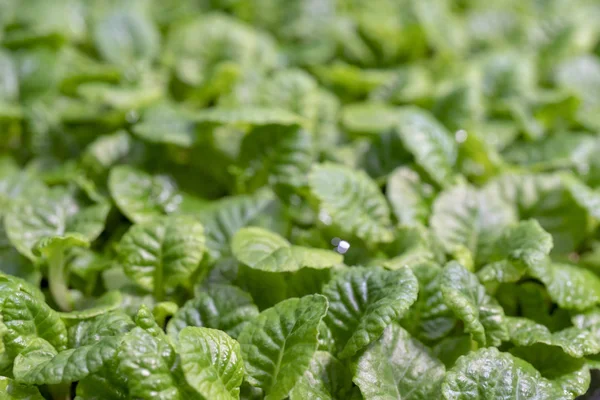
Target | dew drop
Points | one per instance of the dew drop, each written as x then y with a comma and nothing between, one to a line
460,136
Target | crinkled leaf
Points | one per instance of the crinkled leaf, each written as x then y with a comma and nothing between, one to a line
52,214
162,253
39,363
571,287
400,367
212,362
408,196
326,378
225,217
363,301
462,217
573,341
279,344
429,142
17,391
352,201
223,307
482,315
490,374
267,251
140,196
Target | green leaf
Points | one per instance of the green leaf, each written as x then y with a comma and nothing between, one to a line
463,218
400,367
26,318
52,214
547,199
326,378
126,36
363,301
108,302
223,307
248,116
408,196
571,287
146,363
518,248
573,341
430,143
91,331
371,117
482,315
225,217
279,344
165,123
39,363
107,151
571,375
212,362
429,318
276,156
140,196
351,200
163,253
267,251
490,374
17,391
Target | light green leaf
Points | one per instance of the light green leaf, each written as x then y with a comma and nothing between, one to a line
11,390
247,116
363,301
546,198
518,248
463,218
399,367
225,217
106,151
163,253
167,124
223,307
429,318
125,37
140,196
275,156
571,287
91,331
212,362
279,344
371,117
466,297
39,363
52,214
408,196
326,378
573,341
108,302
490,374
430,143
26,318
264,250
352,201
569,374
146,363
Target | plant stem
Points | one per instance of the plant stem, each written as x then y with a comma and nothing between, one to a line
57,280
61,391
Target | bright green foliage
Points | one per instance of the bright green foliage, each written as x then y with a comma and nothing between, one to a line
398,366
212,362
299,199
363,301
279,344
